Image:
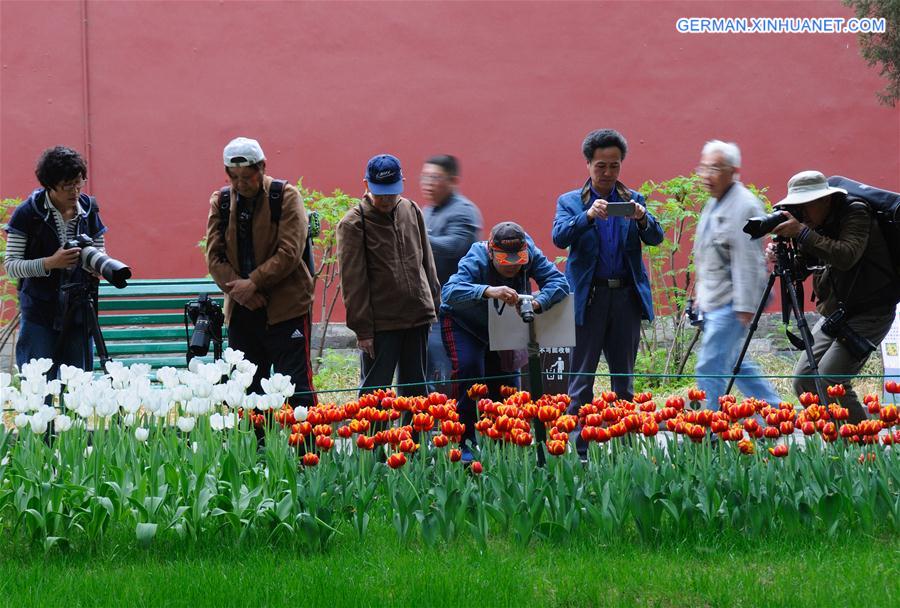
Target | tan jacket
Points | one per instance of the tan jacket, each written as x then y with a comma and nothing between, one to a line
392,283
280,274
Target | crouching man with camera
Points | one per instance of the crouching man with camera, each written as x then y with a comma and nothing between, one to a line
855,287
495,273
256,236
54,279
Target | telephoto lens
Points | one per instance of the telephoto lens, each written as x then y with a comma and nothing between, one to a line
111,269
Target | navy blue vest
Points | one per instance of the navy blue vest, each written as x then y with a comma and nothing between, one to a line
40,299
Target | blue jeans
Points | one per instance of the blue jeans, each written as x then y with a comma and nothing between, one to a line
438,368
722,338
38,341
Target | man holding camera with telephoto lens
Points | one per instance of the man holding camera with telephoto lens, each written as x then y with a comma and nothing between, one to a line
256,235
49,273
498,269
855,287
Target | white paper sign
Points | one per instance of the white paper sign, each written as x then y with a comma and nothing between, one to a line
556,327
890,353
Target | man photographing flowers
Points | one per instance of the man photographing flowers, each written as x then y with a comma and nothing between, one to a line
855,287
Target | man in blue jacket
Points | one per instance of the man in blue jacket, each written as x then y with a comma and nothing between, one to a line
604,269
498,269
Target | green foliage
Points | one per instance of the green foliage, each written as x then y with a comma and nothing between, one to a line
676,204
882,50
667,344
330,209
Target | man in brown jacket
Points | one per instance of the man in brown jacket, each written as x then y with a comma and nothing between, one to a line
857,278
255,237
388,279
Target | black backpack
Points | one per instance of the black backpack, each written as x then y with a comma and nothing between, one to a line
275,197
886,206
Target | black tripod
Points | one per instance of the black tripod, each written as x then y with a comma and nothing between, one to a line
790,304
80,297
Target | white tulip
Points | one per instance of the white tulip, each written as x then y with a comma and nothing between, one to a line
246,367
194,365
139,370
21,420
68,372
232,356
141,434
300,413
186,424
217,422
168,376
62,423
36,368
38,424
131,402
129,420
244,380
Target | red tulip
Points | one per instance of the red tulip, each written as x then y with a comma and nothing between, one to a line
310,459
779,451
837,390
396,460
476,468
455,455
324,442
556,448
892,386
808,398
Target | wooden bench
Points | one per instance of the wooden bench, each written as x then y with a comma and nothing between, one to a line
144,323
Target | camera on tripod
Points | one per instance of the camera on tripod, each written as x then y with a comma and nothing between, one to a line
207,318
760,226
111,269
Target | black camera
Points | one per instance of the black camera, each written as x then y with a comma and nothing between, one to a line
111,269
762,225
208,318
836,326
526,308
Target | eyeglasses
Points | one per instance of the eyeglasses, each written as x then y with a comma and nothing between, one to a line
427,178
710,170
76,187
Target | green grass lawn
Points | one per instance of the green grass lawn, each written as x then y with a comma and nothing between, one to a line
729,571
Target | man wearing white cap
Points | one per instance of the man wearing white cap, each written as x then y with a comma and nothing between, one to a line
256,236
855,292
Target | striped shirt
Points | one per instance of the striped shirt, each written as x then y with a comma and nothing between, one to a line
17,267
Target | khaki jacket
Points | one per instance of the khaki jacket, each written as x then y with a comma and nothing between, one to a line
280,274
392,283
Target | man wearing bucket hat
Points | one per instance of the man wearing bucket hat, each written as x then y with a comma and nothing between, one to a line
256,235
855,288
388,280
499,269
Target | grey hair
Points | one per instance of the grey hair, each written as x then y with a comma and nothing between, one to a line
729,151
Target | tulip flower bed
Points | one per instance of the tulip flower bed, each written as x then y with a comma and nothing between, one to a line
118,455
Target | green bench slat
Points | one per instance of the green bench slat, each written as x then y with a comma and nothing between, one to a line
150,318
148,333
138,348
146,304
191,291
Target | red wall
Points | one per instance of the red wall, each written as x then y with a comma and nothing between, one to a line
153,90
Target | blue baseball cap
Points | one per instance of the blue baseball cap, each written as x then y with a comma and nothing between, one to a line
383,174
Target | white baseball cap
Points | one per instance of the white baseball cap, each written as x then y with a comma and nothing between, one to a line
242,152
